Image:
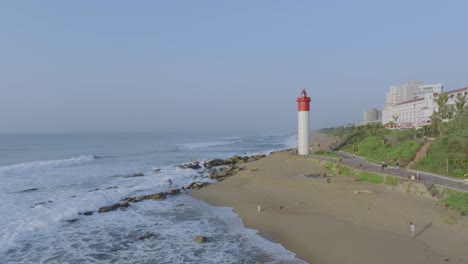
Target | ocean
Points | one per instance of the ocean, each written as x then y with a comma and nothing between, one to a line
48,180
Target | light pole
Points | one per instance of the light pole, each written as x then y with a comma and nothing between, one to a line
447,166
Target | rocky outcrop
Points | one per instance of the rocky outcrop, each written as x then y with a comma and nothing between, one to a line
29,190
200,239
229,168
146,236
195,185
139,174
41,203
222,173
113,207
194,165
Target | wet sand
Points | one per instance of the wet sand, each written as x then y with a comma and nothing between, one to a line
328,223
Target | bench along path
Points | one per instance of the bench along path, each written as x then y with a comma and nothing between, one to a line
427,178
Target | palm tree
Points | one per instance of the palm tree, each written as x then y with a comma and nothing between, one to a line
435,123
441,102
460,102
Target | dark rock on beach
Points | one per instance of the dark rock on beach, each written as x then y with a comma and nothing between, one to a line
139,174
88,213
29,190
146,236
214,163
194,165
195,185
229,168
113,207
200,239
41,203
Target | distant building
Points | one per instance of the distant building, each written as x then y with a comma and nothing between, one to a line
399,94
372,116
417,112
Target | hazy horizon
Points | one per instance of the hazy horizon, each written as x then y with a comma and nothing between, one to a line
217,66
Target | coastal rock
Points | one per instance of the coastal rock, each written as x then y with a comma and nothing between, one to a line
113,207
214,163
88,213
194,165
195,185
41,203
71,220
173,192
200,239
146,236
157,196
139,174
157,170
29,190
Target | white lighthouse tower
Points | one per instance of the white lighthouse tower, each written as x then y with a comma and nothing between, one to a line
303,103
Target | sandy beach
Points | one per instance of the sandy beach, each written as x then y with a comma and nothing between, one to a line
328,223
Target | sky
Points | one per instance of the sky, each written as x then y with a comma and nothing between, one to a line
75,66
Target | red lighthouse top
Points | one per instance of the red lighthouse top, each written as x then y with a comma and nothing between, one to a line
303,102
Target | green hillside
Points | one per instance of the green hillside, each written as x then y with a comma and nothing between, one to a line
451,147
378,144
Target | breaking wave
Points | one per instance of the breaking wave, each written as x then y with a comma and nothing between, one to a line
45,164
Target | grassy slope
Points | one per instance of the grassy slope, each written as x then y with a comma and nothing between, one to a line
454,146
397,146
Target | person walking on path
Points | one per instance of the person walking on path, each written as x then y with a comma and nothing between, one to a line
412,229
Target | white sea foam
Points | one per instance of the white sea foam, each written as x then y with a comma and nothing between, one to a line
29,166
34,230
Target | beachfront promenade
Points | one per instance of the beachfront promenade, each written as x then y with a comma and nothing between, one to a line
426,178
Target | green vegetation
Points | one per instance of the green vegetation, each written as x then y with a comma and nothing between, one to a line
378,144
458,201
371,177
451,147
393,181
360,175
327,154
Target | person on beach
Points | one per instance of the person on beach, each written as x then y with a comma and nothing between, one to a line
259,208
412,229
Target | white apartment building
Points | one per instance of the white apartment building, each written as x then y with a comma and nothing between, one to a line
417,112
409,91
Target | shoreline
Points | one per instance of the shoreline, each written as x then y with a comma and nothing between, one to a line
328,223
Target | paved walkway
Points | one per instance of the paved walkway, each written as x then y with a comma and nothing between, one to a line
426,178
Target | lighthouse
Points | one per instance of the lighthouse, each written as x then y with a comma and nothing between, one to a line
303,103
